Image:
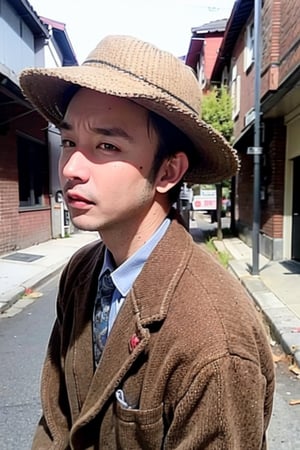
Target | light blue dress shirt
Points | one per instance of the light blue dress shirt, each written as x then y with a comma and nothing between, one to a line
125,275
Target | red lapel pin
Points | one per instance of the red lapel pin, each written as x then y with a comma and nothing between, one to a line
133,342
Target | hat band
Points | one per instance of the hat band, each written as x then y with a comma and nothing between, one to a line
138,77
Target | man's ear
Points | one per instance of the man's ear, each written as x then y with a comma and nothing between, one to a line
171,172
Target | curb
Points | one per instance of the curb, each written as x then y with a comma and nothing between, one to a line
12,296
282,321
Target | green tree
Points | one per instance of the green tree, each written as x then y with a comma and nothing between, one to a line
217,111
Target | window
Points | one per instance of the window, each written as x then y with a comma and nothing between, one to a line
225,77
201,71
33,172
235,92
249,47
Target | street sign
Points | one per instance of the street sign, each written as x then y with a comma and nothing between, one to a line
254,150
205,203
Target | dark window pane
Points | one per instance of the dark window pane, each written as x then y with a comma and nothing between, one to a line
33,172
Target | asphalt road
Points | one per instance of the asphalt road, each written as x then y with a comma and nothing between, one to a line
23,340
284,431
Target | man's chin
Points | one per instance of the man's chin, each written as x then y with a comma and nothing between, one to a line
83,224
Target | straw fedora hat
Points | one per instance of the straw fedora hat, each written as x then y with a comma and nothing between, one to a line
127,67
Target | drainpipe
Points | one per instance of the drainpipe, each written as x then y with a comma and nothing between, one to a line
256,151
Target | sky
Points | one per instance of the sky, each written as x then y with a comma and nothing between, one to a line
165,23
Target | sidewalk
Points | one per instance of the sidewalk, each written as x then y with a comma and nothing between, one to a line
276,291
30,267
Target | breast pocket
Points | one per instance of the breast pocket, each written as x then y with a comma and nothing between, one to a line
139,429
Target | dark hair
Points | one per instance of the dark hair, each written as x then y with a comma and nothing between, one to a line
170,141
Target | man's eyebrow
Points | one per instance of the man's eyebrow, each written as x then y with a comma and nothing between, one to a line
114,132
108,131
64,126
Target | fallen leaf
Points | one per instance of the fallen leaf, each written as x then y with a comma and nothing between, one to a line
28,291
32,294
280,357
294,402
295,369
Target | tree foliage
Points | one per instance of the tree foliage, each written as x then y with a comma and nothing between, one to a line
217,111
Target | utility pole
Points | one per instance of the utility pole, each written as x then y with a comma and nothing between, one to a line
256,150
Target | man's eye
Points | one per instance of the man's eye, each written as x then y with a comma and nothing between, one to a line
66,143
109,147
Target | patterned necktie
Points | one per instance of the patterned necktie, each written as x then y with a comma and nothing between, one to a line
101,314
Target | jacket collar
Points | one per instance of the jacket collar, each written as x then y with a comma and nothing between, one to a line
153,289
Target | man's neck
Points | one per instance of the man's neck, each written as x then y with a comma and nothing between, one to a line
125,240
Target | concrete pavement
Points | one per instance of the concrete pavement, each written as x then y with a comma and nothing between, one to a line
25,270
276,291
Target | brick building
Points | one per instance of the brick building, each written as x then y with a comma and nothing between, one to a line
280,120
25,189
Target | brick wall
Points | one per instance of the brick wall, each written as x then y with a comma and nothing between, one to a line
289,38
281,42
271,42
33,227
271,53
270,27
247,84
272,207
9,195
245,190
19,229
272,174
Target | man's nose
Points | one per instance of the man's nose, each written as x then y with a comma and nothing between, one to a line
75,166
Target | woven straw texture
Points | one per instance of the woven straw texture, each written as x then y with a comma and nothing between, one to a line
127,67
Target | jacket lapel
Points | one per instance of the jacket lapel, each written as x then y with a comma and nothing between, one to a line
116,360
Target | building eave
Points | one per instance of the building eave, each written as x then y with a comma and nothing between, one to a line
30,17
196,46
210,27
62,40
240,14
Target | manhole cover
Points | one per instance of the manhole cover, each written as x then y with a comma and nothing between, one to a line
25,257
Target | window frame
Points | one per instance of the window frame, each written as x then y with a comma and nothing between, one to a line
249,46
235,90
33,173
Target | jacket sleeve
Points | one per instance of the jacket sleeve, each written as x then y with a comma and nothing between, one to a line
227,405
53,429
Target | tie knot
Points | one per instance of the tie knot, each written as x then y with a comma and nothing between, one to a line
106,285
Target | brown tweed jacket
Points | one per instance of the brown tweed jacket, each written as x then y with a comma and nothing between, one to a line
199,375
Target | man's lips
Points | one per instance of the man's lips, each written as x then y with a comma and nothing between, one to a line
77,201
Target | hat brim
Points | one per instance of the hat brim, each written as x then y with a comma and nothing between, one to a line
49,91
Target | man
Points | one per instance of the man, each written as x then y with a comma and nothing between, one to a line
174,356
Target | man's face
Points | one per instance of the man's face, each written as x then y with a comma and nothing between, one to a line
106,157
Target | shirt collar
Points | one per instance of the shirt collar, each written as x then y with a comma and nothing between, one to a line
125,275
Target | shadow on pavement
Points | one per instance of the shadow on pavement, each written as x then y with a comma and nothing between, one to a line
292,266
